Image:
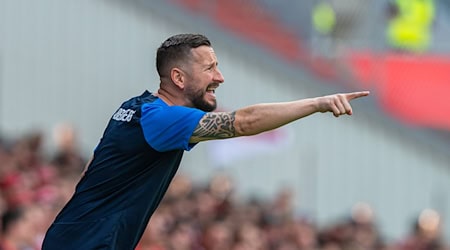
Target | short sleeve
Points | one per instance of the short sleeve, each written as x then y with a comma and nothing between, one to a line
169,128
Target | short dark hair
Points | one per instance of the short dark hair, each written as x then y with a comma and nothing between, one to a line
177,48
10,217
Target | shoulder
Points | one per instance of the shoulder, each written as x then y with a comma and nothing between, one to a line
144,98
158,106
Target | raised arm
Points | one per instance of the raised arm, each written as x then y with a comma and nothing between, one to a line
259,118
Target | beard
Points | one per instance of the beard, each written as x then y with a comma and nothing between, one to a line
198,100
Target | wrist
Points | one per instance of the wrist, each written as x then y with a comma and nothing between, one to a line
316,104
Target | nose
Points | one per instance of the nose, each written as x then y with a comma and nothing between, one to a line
218,77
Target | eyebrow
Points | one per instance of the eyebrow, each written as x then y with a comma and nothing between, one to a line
215,63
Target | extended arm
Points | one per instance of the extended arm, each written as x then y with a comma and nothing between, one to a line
258,118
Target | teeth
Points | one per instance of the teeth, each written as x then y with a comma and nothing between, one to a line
211,89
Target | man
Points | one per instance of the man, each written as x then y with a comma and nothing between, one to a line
142,146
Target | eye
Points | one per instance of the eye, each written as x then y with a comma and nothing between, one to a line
212,66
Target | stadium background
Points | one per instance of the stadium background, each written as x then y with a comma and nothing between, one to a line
75,61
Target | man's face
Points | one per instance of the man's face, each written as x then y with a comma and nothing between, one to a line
203,77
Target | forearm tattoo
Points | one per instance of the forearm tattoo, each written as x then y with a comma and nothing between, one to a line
216,125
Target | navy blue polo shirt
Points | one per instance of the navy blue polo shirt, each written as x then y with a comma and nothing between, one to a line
132,167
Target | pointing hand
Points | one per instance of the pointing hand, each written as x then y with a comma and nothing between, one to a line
339,104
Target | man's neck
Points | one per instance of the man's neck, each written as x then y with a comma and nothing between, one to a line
169,98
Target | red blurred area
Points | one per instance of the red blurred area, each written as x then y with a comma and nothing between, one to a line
414,89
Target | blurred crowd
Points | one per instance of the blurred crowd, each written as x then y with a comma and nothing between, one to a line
208,216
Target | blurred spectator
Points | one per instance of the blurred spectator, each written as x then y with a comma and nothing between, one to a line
184,236
426,233
410,24
348,15
218,236
68,157
18,230
156,235
336,23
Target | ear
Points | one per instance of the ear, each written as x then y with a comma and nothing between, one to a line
178,78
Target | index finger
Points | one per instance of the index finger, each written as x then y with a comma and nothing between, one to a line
354,95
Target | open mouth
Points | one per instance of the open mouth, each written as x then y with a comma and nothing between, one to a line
211,90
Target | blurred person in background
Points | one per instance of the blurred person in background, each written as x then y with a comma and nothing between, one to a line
218,235
22,171
251,236
425,233
144,141
156,234
18,230
184,235
68,157
303,234
365,232
356,232
410,25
